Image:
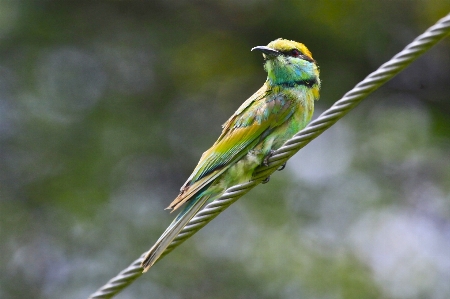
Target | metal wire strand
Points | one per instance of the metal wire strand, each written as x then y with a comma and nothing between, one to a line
384,73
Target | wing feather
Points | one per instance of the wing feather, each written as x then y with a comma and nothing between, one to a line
256,117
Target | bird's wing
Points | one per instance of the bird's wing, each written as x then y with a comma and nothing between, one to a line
253,120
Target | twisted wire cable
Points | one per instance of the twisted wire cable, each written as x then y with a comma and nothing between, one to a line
352,98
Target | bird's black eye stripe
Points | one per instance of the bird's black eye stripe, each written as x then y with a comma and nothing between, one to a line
296,53
293,53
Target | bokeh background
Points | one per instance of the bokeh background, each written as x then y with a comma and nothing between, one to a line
106,107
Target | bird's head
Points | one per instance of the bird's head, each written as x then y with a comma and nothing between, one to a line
288,61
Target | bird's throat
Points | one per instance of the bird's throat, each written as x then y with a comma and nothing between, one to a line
285,73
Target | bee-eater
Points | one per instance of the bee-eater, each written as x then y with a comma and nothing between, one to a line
279,109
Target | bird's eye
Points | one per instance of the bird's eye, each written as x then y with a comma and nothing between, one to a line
295,53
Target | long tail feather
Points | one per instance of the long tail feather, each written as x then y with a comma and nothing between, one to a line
173,230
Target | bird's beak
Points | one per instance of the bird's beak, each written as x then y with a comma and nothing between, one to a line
266,50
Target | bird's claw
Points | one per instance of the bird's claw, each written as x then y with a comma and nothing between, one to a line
266,180
282,167
266,159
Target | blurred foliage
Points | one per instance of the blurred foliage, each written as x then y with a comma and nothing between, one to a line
106,106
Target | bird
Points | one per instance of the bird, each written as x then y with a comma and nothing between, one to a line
280,108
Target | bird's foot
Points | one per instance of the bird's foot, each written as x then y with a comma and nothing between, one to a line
266,180
266,159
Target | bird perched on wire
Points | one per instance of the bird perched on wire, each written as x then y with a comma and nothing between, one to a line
279,109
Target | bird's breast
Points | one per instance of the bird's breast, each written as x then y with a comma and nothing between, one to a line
304,101
301,101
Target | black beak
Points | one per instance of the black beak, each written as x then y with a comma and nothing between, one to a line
266,50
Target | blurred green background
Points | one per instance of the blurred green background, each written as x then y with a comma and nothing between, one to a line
106,107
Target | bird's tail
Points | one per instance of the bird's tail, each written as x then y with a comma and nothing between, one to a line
193,206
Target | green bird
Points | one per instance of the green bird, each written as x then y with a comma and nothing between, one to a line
279,109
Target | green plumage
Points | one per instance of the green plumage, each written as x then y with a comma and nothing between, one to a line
279,109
